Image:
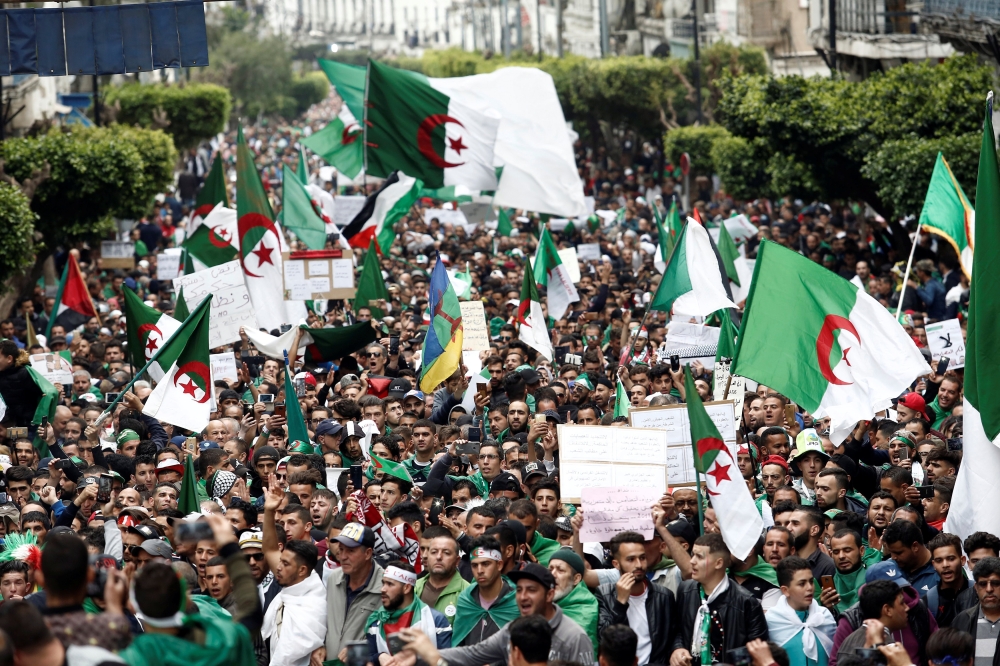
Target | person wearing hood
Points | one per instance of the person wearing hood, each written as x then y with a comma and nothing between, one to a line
575,598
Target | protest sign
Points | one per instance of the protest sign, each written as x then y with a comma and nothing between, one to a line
596,456
477,212
117,254
739,227
56,368
346,208
318,278
168,264
673,421
589,251
475,333
231,306
223,367
720,378
684,339
568,257
945,340
445,216
736,395
608,511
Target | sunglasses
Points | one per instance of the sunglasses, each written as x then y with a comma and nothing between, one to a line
507,338
255,557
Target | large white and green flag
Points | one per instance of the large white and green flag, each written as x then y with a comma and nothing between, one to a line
554,276
818,339
693,282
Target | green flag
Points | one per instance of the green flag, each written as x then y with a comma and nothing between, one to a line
146,329
212,192
622,402
181,310
302,170
187,501
947,213
328,344
504,226
391,468
339,143
665,241
729,253
727,337
298,213
371,285
349,80
209,246
296,424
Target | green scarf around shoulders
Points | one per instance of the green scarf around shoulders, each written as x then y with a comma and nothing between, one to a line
469,613
227,643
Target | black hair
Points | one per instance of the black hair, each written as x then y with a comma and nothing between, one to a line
988,566
404,486
532,635
978,540
787,568
843,480
20,473
305,552
36,517
618,645
523,508
408,512
840,534
14,566
951,643
716,545
898,476
877,594
64,564
848,520
22,623
883,494
902,531
943,540
627,536
157,590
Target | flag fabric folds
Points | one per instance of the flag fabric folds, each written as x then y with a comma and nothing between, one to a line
838,353
554,276
214,241
339,143
371,285
947,213
441,355
531,319
298,214
382,210
147,329
73,306
212,193
692,283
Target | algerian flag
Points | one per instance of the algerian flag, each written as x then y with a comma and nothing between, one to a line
622,403
414,127
371,284
504,227
726,348
729,253
977,488
461,282
554,276
183,397
533,331
214,242
456,193
212,193
693,283
735,510
837,352
147,329
947,213
298,214
339,143
391,468
349,80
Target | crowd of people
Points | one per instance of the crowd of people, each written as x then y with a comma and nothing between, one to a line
412,528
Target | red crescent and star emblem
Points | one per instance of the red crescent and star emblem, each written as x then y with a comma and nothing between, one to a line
219,237
253,221
152,342
187,372
350,134
824,345
426,146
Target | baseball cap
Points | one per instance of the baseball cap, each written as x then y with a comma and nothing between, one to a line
328,427
533,469
265,453
887,570
419,394
517,527
356,534
535,572
207,444
252,539
145,531
156,547
398,388
776,460
682,529
169,465
553,415
530,376
563,523
505,481
86,481
916,402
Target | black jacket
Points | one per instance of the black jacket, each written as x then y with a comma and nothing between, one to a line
21,394
660,613
739,612
967,621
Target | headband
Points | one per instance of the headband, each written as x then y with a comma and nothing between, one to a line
400,576
488,553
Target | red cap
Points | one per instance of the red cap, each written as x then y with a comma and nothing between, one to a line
916,402
776,460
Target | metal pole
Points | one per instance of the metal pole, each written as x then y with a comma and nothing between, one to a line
97,95
602,8
559,19
538,29
701,512
505,27
697,63
906,275
833,37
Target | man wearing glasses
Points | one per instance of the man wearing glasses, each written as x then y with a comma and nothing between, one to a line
983,620
252,547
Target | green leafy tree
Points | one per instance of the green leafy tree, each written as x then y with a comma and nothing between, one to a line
257,72
195,112
697,142
17,249
309,89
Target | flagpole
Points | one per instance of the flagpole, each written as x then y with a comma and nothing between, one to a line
906,276
107,411
55,305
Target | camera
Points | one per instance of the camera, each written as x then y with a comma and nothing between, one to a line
189,532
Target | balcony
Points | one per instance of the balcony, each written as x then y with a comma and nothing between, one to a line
966,24
876,17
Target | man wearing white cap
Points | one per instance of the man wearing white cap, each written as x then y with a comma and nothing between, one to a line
402,609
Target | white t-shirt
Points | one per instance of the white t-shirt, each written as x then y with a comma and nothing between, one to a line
640,625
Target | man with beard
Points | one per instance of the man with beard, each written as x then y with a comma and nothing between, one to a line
777,545
488,603
753,412
774,474
982,617
846,549
575,598
881,506
402,609
949,395
442,586
321,508
806,525
647,609
517,417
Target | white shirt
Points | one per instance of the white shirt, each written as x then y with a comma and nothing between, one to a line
640,625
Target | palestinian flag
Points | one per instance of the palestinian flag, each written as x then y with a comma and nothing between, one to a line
391,468
554,276
183,397
693,281
371,284
212,193
328,344
382,210
296,423
838,353
728,253
181,310
415,127
147,329
340,144
73,305
441,355
977,488
349,80
622,402
948,215
504,227
213,242
298,213
739,520
530,318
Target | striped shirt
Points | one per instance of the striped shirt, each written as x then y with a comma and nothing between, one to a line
986,640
